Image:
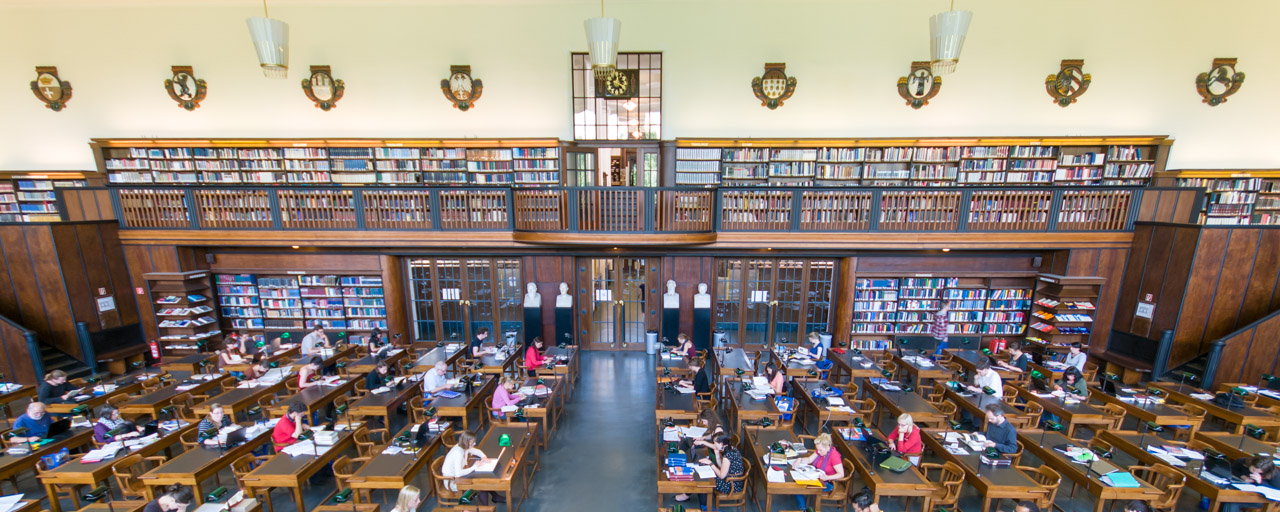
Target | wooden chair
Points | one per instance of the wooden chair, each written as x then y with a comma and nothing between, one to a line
361,388
118,400
838,496
850,389
1016,457
1049,481
1031,413
444,495
1116,414
1170,481
291,384
865,409
343,469
950,478
890,367
1090,371
1010,394
229,384
242,466
948,410
738,498
417,410
365,444
937,394
189,439
488,419
128,469
1196,415
449,438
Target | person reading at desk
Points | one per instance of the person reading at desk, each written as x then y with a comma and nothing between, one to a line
227,355
905,439
701,382
708,419
726,463
533,358
108,420
1255,470
814,350
1072,383
35,420
309,375
825,460
505,395
476,348
435,381
1000,433
1018,359
313,342
54,388
777,379
455,466
380,376
983,379
1076,357
257,368
214,422
684,346
374,343
291,425
176,498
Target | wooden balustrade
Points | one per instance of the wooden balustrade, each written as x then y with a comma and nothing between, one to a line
397,209
317,209
755,210
233,209
1010,210
473,209
154,208
541,210
835,210
920,210
1095,210
687,211
611,210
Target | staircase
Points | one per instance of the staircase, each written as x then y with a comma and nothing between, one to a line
55,359
1194,367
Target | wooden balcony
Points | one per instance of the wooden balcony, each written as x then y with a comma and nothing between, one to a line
645,216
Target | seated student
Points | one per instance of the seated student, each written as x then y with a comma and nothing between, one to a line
54,388
1254,470
1072,383
455,466
504,395
108,420
701,381
984,378
826,460
1137,506
533,358
176,498
476,349
726,463
227,356
1000,433
257,368
1076,357
708,419
1018,359
864,501
814,350
435,380
777,379
215,421
374,344
684,346
309,375
408,500
380,376
312,343
35,420
291,425
1026,506
905,439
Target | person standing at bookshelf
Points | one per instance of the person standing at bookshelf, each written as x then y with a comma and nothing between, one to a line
939,325
312,342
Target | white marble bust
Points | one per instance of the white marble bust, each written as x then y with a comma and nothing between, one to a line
532,299
702,299
564,300
671,299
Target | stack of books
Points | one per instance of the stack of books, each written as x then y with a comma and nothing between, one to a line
680,474
998,461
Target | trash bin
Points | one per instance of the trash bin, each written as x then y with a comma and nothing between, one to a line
718,338
651,342
825,339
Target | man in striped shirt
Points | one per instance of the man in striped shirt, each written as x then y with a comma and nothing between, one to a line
939,326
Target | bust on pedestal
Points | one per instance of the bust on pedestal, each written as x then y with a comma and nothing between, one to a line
564,300
532,313
564,317
702,318
670,315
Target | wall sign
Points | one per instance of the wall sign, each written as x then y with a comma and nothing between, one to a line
322,88
1069,84
774,86
1221,81
106,304
1144,310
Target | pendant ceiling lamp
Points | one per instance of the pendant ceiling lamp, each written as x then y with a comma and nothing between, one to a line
946,38
602,42
271,40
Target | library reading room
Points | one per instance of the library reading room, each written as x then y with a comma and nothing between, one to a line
639,256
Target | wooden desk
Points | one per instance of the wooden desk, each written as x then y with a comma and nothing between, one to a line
384,405
76,473
756,444
26,391
1127,441
1049,373
284,470
975,404
744,408
11,466
95,401
802,389
435,355
115,506
1161,414
919,372
27,506
666,486
898,402
196,465
1073,415
568,368
315,398
969,359
1239,417
729,360
348,507
548,407
461,406
367,364
676,405
796,366
392,472
1080,474
992,482
496,364
281,355
1264,398
240,399
189,363
328,357
909,484
151,403
1234,446
518,459
848,366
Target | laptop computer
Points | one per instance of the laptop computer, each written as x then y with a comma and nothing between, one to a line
235,438
422,436
1108,386
59,427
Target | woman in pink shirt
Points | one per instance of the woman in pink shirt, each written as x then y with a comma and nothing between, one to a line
823,459
533,358
505,395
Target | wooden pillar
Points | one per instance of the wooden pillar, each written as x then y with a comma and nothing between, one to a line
842,306
393,293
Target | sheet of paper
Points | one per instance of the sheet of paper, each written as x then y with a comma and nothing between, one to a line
955,449
1202,396
843,408
670,435
392,450
8,503
487,466
301,448
759,382
776,476
835,401
1270,493
685,391
1173,461
694,431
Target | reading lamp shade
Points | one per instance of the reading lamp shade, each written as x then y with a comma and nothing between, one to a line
602,42
946,38
271,40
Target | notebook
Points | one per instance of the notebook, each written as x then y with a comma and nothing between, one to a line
1119,479
1102,467
896,464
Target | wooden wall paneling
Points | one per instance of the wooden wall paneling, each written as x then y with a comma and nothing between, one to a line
842,303
1168,205
1194,316
394,296
73,207
1173,287
1187,209
1158,255
98,274
654,288
75,276
1083,262
1263,350
53,291
1234,355
9,304
687,272
1132,280
14,344
548,272
1054,262
1111,267
1237,266
113,254
31,312
1262,281
138,260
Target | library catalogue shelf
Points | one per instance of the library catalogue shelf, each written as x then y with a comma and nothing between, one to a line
1232,197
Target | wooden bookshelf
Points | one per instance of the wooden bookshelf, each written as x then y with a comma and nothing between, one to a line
985,307
186,319
1232,197
239,304
342,303
32,197
1071,161
1064,311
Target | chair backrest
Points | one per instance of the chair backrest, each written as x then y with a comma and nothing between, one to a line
291,384
243,465
1116,412
127,470
734,482
948,409
850,389
1016,456
1010,394
1099,444
344,468
189,439
444,495
362,387
1170,481
1049,480
950,480
417,409
115,401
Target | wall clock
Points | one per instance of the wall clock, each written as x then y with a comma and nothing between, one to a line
620,84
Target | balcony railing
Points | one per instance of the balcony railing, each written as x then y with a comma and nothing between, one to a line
642,210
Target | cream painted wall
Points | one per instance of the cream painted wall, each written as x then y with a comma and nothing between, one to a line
847,55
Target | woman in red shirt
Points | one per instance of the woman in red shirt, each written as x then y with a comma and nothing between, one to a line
290,426
905,439
309,375
824,459
533,358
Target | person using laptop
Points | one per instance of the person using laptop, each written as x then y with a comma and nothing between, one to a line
35,420
701,382
825,460
435,380
215,421
309,375
108,420
905,439
292,425
455,466
1018,359
533,358
374,344
54,388
1253,470
176,498
313,342
1000,433
477,349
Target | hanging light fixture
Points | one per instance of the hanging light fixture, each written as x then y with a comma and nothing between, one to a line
946,38
271,40
602,42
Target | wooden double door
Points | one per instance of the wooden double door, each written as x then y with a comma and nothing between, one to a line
618,298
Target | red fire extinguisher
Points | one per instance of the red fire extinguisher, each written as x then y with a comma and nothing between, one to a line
997,345
155,350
